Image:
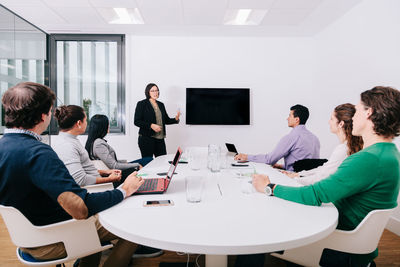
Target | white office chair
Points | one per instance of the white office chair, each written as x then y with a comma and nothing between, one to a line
95,188
99,187
362,240
79,236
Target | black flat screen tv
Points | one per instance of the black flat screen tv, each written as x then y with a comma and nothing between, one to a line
218,106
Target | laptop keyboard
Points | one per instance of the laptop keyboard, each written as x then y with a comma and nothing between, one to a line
149,185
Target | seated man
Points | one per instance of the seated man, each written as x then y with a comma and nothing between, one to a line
365,181
299,144
35,181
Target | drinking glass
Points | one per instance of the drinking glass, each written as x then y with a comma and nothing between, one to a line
194,159
194,188
214,153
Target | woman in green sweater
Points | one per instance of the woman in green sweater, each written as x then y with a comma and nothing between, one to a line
365,181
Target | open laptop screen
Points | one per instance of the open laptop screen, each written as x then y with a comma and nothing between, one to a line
231,148
174,163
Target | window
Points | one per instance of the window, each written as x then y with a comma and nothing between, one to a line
88,72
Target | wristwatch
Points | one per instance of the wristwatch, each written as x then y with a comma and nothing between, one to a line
269,189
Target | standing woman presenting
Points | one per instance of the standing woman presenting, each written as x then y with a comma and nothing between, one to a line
151,117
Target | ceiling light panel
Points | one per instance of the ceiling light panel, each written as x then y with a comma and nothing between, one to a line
123,16
245,17
241,16
118,15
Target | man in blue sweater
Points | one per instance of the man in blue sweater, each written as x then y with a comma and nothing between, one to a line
35,181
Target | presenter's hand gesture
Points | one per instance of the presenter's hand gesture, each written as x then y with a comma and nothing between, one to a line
260,181
132,183
177,115
241,156
155,127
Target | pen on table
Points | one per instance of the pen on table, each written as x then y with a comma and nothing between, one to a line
219,188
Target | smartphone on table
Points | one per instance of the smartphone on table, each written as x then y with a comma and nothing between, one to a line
239,165
155,203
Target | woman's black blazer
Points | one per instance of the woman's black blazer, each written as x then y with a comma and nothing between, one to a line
145,116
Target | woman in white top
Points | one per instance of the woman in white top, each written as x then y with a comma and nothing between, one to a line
341,124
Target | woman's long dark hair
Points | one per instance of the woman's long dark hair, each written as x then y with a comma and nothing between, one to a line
345,113
98,128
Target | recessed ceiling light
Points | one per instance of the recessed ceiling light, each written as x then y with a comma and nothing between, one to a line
127,16
244,16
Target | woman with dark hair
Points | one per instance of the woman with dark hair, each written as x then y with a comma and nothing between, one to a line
341,124
99,149
72,122
151,117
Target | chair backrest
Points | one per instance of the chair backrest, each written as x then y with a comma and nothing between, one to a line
95,188
24,234
365,237
80,237
307,164
15,221
362,240
100,165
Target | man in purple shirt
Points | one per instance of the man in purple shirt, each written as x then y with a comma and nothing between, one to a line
299,144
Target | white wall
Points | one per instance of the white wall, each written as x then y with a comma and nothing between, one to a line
278,72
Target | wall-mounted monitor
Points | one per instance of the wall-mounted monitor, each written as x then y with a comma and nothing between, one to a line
218,106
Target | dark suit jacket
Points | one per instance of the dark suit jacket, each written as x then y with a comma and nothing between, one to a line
145,116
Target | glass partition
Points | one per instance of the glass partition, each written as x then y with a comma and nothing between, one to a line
22,53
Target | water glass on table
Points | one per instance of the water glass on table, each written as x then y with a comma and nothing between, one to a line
194,188
214,153
194,157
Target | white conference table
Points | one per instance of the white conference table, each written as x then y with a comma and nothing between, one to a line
224,224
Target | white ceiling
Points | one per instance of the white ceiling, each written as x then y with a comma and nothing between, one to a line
182,17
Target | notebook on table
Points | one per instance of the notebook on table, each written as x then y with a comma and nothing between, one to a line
160,185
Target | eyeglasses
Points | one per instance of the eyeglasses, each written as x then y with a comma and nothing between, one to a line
154,91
